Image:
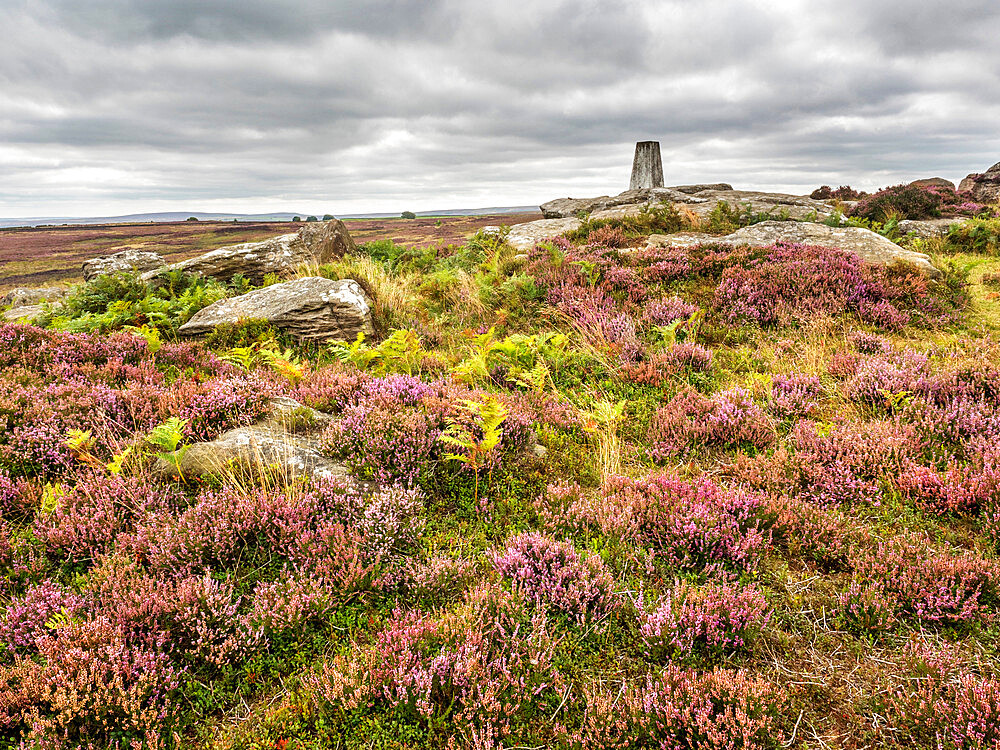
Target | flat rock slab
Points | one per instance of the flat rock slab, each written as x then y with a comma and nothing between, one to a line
23,296
868,245
23,313
526,236
311,309
132,260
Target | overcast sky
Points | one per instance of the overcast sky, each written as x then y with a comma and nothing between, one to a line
118,106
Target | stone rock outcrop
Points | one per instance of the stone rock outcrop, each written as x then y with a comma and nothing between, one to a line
934,182
984,187
561,208
526,236
313,245
131,260
23,313
311,309
701,199
32,296
286,443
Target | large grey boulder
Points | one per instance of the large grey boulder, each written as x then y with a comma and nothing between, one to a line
32,296
283,445
313,245
311,309
984,187
702,187
526,236
798,207
131,260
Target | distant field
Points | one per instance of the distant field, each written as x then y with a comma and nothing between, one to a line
47,255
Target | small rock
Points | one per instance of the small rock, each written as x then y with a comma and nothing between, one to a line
311,309
32,296
281,444
132,260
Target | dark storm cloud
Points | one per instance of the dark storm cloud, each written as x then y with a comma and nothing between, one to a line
354,105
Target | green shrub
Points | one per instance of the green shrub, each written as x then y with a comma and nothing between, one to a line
976,235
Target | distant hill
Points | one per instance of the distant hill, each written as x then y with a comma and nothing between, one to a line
170,216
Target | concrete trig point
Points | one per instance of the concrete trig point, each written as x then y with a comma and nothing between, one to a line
647,169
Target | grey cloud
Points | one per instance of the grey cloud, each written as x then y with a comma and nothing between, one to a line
125,101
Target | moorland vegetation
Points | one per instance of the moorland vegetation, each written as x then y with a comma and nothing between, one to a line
602,495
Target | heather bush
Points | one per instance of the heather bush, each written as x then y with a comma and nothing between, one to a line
555,576
483,669
820,534
708,620
794,396
95,687
678,708
943,704
693,525
789,283
907,202
27,618
842,193
729,419
848,462
88,517
901,577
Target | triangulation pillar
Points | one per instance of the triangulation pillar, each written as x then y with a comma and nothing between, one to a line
647,169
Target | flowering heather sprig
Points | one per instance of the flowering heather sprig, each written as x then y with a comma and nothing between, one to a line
794,396
25,620
691,620
688,356
289,603
555,576
194,618
18,497
821,534
678,708
848,462
216,405
869,343
439,579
